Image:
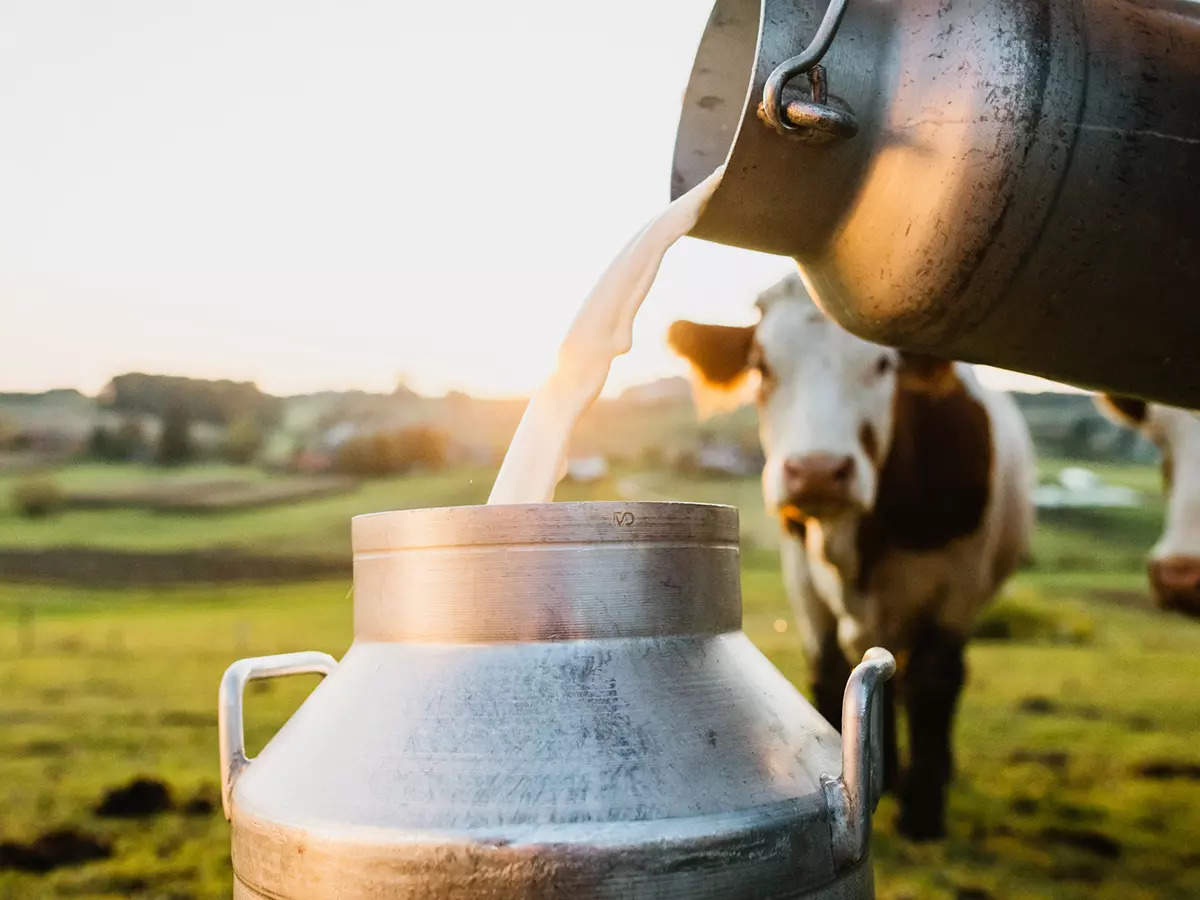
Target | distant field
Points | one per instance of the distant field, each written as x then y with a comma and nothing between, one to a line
320,527
1078,773
213,495
1112,539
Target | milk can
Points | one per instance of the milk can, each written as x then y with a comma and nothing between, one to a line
552,700
1013,182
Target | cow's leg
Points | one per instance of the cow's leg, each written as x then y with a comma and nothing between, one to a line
829,672
827,666
891,755
933,681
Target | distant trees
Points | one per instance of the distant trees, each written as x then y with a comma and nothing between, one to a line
175,441
221,402
10,434
245,412
244,440
392,452
125,442
1063,424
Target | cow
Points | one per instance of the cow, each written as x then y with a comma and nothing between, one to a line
1174,564
903,489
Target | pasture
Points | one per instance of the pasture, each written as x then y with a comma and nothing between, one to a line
1078,774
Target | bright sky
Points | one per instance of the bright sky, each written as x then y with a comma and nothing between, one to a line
330,193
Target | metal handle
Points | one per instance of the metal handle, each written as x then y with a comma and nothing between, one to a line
853,797
815,121
230,733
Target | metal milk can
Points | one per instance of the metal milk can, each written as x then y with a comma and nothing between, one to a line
1013,183
552,700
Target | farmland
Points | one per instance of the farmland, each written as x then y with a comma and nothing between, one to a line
1077,771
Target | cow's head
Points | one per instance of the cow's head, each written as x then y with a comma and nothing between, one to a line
1175,560
825,398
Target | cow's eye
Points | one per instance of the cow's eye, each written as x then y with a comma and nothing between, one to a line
766,377
883,365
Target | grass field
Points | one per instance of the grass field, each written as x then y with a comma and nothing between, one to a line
1078,769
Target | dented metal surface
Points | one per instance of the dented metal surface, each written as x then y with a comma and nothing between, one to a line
518,719
1020,191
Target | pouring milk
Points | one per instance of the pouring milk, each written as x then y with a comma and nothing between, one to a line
603,329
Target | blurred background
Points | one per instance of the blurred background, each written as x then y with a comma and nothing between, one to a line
266,265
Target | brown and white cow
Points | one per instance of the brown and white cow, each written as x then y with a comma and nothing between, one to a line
1174,565
904,493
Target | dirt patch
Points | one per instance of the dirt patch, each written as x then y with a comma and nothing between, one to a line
1045,706
1155,824
1094,842
1038,706
95,567
1025,806
1138,722
1169,769
62,847
165,884
46,748
199,805
121,885
1009,621
1073,812
141,797
1051,759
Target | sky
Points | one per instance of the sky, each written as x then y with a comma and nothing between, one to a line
335,194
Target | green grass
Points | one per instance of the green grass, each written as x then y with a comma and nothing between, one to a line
1078,685
102,686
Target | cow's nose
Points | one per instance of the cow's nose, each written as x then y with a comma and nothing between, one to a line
817,482
1176,583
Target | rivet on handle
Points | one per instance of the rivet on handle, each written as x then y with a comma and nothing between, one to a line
815,121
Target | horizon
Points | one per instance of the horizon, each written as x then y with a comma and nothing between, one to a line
1037,386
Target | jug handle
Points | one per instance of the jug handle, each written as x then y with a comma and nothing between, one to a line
803,62
230,733
853,797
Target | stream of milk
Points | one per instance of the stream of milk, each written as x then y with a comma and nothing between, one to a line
603,329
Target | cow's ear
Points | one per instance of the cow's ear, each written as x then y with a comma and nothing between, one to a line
1124,410
720,360
927,374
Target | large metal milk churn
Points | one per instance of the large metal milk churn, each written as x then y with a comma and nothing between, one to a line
545,701
1013,182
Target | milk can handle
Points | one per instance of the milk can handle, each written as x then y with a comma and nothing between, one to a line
852,798
804,62
230,733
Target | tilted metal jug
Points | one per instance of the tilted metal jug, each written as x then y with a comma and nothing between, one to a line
553,700
1014,183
